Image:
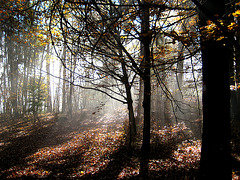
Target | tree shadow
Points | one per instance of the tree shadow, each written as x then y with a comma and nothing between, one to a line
63,167
61,170
14,154
117,162
175,174
17,149
162,149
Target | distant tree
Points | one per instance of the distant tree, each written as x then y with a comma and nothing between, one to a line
22,36
37,90
49,97
64,83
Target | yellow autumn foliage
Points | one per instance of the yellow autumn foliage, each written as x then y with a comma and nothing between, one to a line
236,13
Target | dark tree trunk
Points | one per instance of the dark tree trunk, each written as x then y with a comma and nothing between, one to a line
140,101
146,36
139,116
216,154
132,122
125,80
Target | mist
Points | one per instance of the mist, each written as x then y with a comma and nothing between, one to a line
118,90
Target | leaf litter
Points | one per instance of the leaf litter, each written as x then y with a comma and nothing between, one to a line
95,151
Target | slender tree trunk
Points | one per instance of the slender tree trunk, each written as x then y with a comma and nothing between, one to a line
146,36
71,88
132,122
33,81
166,111
125,80
216,154
39,98
64,82
49,97
13,76
57,104
25,81
70,95
179,78
5,73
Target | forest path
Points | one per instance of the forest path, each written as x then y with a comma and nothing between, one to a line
60,147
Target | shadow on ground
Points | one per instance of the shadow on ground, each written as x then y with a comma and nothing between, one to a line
118,160
14,154
18,148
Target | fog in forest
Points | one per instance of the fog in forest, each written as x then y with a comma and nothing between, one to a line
119,89
48,86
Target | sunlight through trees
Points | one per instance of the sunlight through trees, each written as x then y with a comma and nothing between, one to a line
119,89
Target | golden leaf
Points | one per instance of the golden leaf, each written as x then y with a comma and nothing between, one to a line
236,13
220,38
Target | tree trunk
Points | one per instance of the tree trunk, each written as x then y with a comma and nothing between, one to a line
179,79
132,123
69,102
140,103
49,97
13,76
25,80
125,80
146,36
140,96
57,104
166,112
64,82
216,154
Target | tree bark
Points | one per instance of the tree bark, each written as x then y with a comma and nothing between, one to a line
215,154
146,36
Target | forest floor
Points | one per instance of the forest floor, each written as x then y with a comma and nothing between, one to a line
57,147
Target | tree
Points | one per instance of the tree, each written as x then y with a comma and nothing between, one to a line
106,36
216,152
37,94
22,35
112,63
64,83
49,97
146,38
